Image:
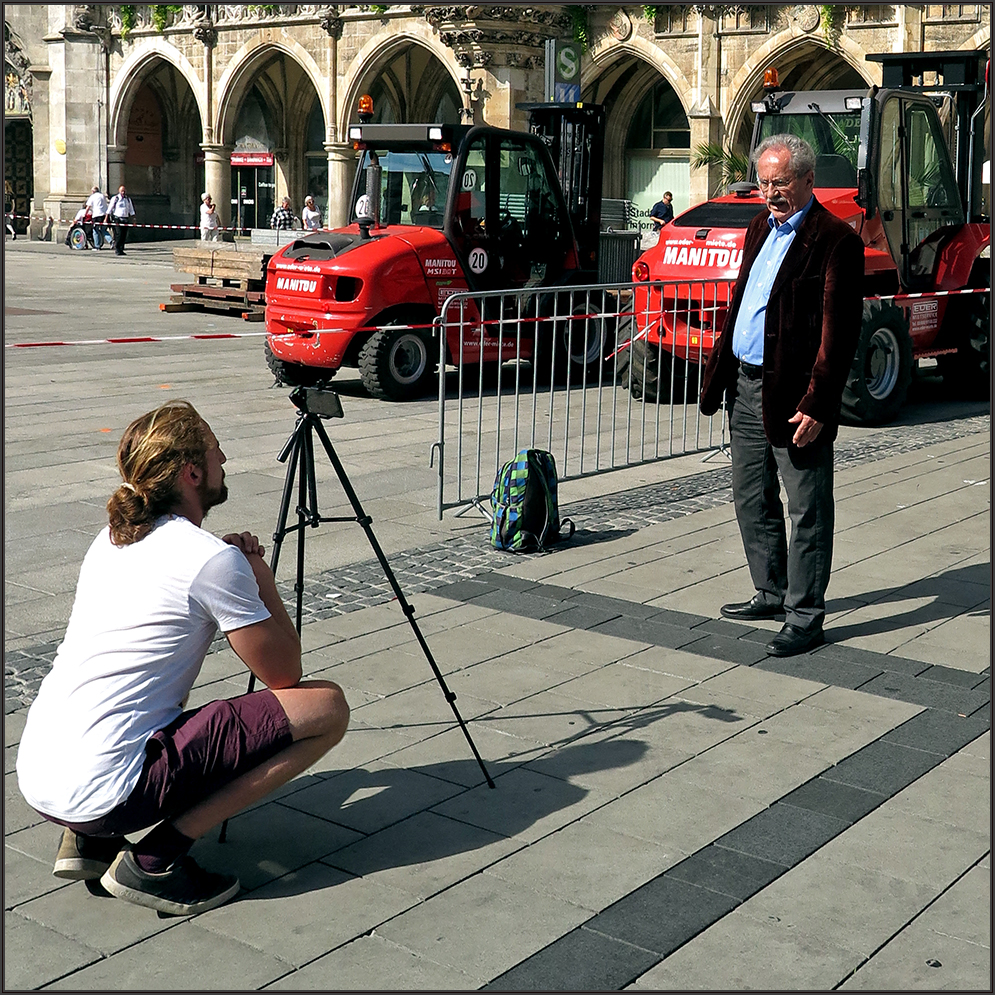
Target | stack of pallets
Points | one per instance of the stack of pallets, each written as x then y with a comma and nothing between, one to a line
230,279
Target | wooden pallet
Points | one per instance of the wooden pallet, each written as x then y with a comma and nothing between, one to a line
228,281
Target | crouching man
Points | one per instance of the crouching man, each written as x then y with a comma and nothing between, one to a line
107,749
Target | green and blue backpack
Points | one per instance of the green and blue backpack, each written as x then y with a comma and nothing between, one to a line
524,513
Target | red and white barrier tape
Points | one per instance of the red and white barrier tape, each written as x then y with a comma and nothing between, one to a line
115,223
929,293
128,340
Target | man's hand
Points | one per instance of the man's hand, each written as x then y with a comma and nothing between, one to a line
808,429
246,542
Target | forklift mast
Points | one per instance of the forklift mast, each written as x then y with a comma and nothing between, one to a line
575,137
964,76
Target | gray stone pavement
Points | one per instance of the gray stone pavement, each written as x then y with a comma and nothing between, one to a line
673,809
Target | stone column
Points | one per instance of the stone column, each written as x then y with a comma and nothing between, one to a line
706,129
115,167
217,179
341,173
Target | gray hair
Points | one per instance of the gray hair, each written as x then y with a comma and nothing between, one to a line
801,155
204,196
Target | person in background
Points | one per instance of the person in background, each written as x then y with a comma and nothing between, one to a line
310,216
210,226
96,203
662,212
283,216
120,213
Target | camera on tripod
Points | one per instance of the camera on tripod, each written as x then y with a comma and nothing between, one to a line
317,401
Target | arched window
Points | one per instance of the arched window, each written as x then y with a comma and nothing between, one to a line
657,151
317,159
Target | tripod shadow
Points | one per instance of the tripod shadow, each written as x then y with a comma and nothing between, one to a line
971,581
423,814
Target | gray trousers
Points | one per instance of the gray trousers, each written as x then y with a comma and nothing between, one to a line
794,573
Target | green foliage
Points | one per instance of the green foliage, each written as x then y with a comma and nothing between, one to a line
734,166
579,14
128,18
650,11
161,12
265,8
833,17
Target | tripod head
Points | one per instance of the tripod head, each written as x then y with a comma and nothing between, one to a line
317,401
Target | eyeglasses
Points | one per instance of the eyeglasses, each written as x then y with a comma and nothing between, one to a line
779,183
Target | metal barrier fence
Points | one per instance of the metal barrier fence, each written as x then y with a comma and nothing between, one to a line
572,370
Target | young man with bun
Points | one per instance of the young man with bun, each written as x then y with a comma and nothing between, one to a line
108,749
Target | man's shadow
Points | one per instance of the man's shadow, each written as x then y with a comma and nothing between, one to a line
964,583
393,806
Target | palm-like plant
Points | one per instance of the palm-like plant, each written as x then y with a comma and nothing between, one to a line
734,166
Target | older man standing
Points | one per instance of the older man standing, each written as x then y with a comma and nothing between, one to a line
782,361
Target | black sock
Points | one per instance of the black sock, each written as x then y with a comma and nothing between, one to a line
159,849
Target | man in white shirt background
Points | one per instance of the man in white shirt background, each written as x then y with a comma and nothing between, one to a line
97,205
210,226
120,210
107,748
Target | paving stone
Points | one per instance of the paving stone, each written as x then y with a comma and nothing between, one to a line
722,627
841,801
647,631
783,834
662,915
723,648
950,675
672,617
318,908
932,694
585,617
631,609
882,767
938,732
738,875
182,958
815,668
521,603
465,590
35,955
867,658
581,961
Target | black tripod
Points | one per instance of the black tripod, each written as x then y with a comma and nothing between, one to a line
314,405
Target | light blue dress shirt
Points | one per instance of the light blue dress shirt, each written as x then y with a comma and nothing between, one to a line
748,333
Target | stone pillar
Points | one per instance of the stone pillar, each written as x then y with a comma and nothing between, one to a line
706,129
115,168
217,179
341,173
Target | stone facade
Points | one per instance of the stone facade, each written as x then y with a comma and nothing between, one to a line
162,97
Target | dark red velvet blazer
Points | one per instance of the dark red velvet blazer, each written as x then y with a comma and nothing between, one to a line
811,329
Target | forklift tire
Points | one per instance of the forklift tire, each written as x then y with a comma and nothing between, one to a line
574,347
967,373
657,375
294,374
882,367
396,364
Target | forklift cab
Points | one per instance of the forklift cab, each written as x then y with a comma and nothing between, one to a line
506,218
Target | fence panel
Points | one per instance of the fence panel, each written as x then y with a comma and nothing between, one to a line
602,376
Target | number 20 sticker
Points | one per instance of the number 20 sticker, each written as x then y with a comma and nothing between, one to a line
470,180
478,260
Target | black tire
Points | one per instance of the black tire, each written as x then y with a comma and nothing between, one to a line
967,373
578,345
396,364
294,374
882,367
656,374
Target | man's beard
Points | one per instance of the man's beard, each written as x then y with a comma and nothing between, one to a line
210,497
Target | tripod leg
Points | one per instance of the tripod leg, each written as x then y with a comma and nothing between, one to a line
409,612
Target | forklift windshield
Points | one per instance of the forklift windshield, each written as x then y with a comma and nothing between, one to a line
834,136
413,186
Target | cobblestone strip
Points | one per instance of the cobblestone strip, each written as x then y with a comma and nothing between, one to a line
363,585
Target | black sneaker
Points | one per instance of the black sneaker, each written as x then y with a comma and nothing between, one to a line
85,858
182,890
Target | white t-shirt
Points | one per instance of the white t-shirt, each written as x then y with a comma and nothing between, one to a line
208,216
311,219
97,203
141,625
121,207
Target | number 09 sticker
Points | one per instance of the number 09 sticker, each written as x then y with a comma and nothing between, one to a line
478,260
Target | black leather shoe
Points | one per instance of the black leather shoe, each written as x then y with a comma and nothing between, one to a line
791,640
747,611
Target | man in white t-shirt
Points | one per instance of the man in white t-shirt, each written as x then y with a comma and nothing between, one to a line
121,213
97,205
210,226
107,748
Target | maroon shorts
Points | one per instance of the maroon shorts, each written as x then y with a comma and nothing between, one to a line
195,756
